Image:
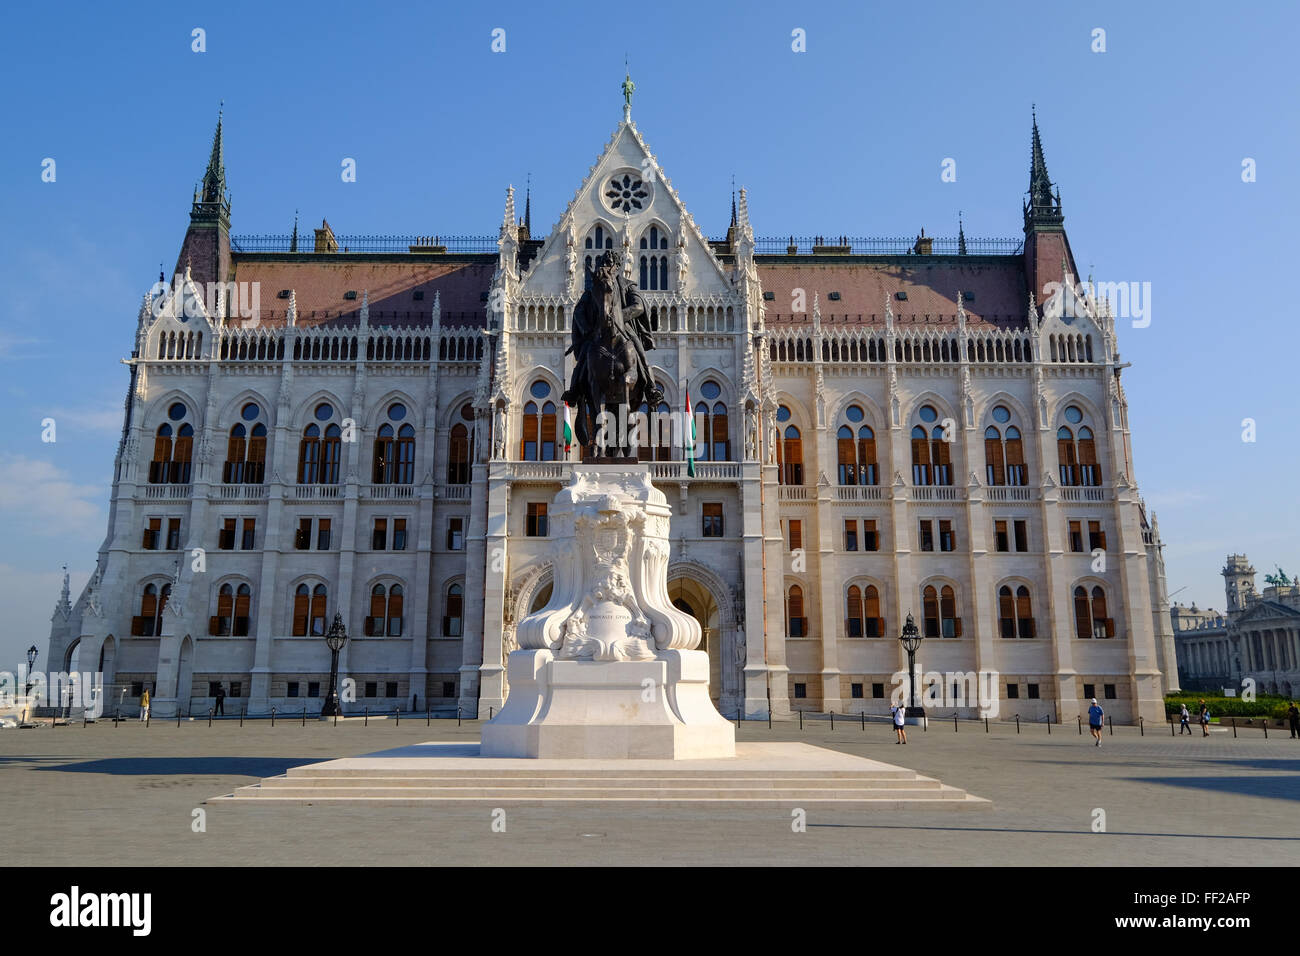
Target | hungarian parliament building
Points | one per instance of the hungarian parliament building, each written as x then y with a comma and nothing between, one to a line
373,427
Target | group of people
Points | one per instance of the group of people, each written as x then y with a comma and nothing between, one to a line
1185,718
219,698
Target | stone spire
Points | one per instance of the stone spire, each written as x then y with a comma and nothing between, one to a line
214,179
528,207
1043,207
293,240
961,236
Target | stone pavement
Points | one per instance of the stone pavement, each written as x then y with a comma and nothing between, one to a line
126,794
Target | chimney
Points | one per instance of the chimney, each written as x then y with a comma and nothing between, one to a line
924,244
325,241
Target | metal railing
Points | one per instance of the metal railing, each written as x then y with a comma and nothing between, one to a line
407,243
885,246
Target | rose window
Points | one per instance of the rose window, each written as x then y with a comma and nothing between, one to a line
627,192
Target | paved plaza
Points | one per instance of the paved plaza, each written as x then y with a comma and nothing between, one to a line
126,794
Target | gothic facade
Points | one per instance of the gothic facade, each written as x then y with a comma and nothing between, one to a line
333,426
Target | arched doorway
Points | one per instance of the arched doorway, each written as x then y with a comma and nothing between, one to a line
107,668
71,657
694,591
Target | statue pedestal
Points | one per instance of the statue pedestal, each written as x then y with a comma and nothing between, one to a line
608,668
623,709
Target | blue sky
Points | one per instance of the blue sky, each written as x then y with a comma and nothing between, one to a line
1146,141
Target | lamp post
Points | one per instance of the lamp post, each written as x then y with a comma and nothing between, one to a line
335,639
911,640
32,653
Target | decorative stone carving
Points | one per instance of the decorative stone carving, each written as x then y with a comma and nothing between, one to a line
499,433
608,634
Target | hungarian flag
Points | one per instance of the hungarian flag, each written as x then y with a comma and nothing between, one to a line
690,438
568,429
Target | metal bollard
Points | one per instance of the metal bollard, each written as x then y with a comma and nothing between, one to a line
832,720
428,714
801,720
366,721
1049,725
457,716
209,716
272,716
1017,723
304,716
986,725
242,714
864,720
1142,731
178,716
397,714
148,714
490,713
336,718
1171,726
1234,728
1110,722
1080,719
1264,722
769,713
954,721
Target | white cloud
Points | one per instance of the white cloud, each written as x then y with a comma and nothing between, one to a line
28,598
96,418
37,495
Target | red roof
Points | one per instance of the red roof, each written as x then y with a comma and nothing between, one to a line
319,283
994,291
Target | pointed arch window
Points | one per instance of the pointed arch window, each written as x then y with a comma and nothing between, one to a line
855,449
540,427
394,458
654,260
233,608
385,617
1076,451
453,618
153,601
713,440
656,433
1015,612
796,621
246,449
940,612
173,449
863,607
931,454
309,610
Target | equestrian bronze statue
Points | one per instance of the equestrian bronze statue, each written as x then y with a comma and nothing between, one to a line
611,334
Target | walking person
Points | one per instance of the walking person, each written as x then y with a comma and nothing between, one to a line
1293,713
1184,722
221,700
1095,714
144,704
1205,719
900,715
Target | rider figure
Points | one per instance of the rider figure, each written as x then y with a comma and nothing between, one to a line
618,298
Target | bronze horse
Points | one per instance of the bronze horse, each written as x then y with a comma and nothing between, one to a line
611,374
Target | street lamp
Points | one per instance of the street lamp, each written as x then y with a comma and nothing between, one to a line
32,653
911,640
335,639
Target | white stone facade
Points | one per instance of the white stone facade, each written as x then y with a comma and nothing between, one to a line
719,338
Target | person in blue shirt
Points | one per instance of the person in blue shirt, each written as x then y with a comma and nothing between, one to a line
1094,721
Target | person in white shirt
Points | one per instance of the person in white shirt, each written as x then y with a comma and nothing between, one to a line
900,715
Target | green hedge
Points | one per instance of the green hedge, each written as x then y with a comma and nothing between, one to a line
1265,705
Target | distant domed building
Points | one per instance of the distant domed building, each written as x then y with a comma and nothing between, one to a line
373,428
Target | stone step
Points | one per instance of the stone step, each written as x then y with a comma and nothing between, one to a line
598,782
602,794
885,800
331,769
